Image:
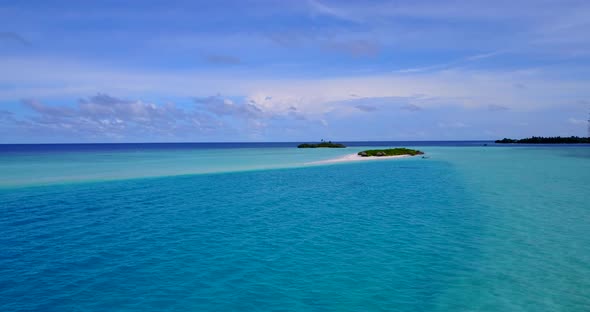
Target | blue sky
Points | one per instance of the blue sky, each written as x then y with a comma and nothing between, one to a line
144,71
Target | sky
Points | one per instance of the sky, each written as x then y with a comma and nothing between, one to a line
305,70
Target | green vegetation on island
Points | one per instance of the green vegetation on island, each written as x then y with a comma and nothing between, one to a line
328,144
390,152
547,140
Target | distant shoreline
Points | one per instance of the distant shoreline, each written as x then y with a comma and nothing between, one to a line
546,140
322,144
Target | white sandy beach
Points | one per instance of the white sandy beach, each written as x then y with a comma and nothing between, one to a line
353,157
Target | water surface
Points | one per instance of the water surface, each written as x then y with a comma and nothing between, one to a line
472,228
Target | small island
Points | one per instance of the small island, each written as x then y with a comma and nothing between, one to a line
328,144
400,151
546,140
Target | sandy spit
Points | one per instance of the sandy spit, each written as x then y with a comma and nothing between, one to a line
353,157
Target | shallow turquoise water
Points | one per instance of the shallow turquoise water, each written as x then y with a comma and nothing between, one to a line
469,229
25,169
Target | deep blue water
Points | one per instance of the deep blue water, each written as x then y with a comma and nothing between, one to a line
112,147
469,229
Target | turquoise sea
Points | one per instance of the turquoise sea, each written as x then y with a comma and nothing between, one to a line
260,227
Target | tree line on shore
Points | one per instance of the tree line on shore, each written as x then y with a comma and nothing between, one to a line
547,140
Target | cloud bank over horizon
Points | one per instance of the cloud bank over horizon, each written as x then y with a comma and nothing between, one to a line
290,71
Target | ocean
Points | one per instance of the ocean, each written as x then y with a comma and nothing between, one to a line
264,227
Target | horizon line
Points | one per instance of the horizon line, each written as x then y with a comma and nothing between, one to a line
243,142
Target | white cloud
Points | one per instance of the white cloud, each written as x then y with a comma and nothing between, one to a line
318,8
310,96
449,65
575,121
452,125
